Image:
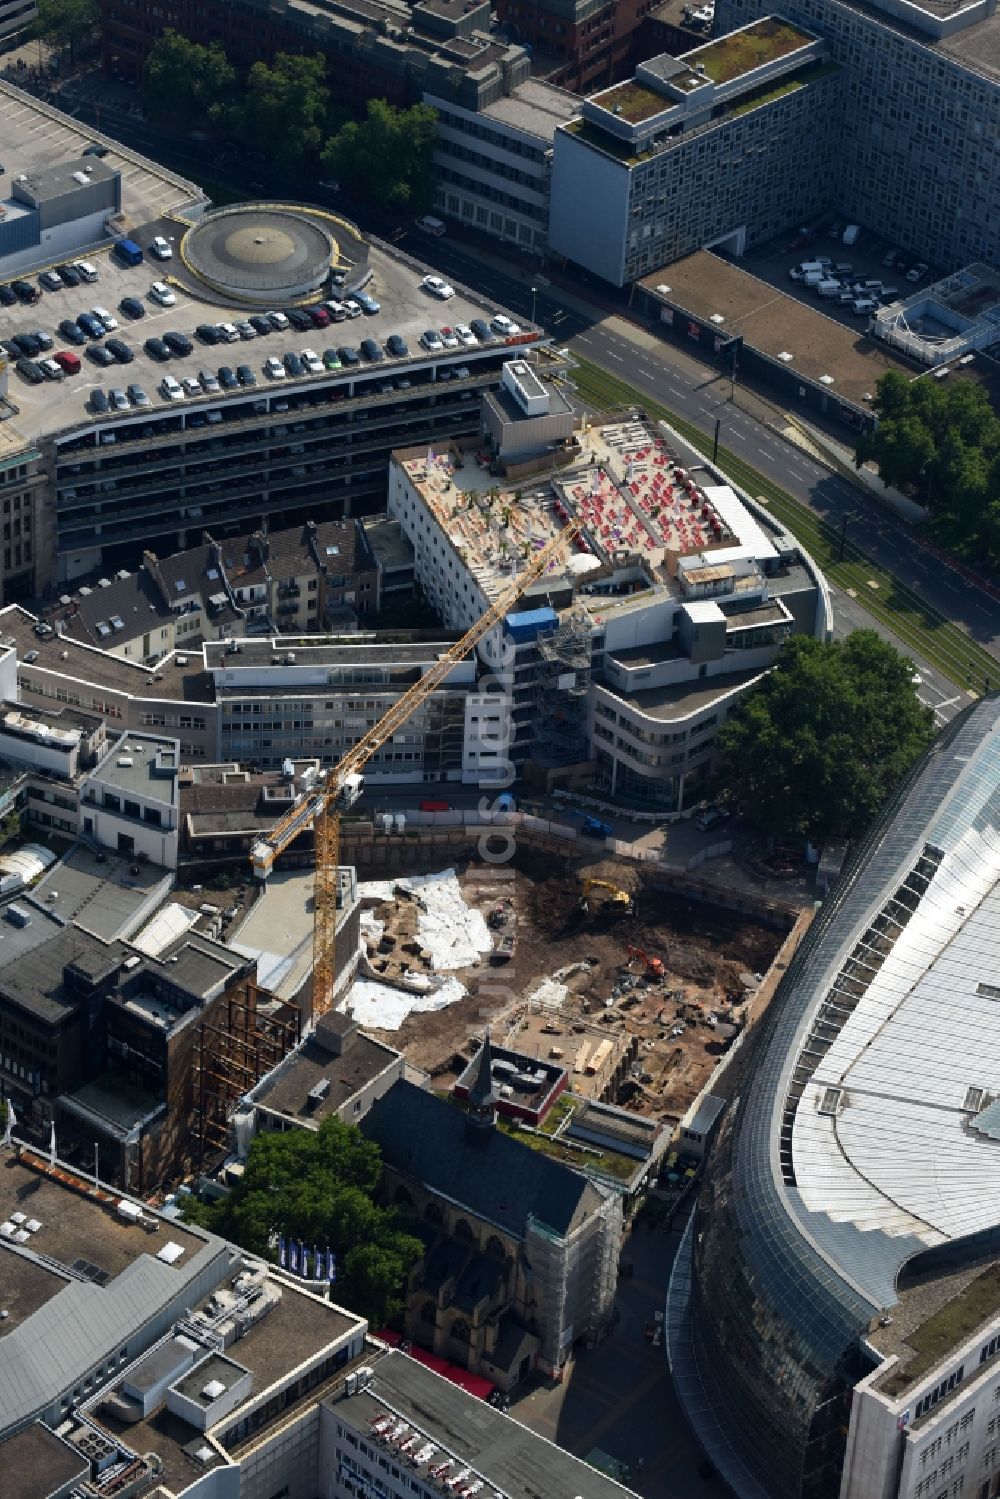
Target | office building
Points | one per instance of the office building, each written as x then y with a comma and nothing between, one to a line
521,1257
626,656
920,109
725,145
833,1317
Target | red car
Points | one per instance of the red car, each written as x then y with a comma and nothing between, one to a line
320,317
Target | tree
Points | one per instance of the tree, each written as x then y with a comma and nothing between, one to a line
286,107
817,748
65,24
320,1186
387,158
941,442
184,80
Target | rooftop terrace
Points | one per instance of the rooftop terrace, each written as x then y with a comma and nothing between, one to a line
753,46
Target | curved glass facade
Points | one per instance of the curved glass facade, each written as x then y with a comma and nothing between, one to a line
780,1295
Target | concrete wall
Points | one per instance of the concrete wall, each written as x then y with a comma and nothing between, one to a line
588,211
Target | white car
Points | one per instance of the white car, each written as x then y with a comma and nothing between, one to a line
449,338
229,333
438,287
160,248
160,292
274,369
466,337
503,324
312,361
169,389
192,387
104,316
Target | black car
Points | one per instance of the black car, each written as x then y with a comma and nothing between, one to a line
27,343
29,370
7,295
396,346
91,325
98,402
371,351
72,332
348,355
293,364
69,274
482,330
178,343
245,375
259,323
42,339
132,307
94,150
207,332
120,350
101,356
25,292
227,379
156,349
299,319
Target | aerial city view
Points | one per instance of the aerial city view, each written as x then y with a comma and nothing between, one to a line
500,749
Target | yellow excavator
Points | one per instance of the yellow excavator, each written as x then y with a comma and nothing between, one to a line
618,903
340,786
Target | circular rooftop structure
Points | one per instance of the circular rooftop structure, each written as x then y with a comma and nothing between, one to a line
260,253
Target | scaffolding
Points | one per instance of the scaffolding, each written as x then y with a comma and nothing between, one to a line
248,1036
575,1276
562,689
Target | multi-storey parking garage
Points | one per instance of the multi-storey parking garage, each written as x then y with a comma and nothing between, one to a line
227,450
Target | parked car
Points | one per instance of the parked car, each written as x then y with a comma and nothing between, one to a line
69,275
449,338
8,296
294,365
889,258
371,351
170,389
710,818
278,321
312,361
52,369
29,370
91,325
191,386
432,341
917,272
228,333
396,346
157,349
482,330
69,361
178,343
593,827
331,359
207,333
132,308
320,317
51,281
121,350
209,382
137,396
72,332
348,355
26,343
260,323
246,330
438,287
94,149
104,316
368,303
465,335
98,402
274,369
100,356
160,248
25,292
245,375
300,321
227,379
161,293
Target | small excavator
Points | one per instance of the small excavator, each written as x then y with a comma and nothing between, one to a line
653,967
618,903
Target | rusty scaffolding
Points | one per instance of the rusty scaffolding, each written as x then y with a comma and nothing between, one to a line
248,1035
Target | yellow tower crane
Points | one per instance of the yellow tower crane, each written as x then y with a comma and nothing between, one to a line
342,785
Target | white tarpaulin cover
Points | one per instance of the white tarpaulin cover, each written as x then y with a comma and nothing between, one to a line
380,1007
455,935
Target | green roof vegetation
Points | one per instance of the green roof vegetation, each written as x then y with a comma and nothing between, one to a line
632,101
766,95
948,1327
603,140
742,51
598,1159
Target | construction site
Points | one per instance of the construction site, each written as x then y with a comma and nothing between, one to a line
636,991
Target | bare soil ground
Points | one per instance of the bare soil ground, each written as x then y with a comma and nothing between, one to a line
709,958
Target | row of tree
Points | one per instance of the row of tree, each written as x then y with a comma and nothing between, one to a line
939,440
320,1187
287,112
820,745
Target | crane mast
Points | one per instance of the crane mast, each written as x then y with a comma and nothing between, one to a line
342,785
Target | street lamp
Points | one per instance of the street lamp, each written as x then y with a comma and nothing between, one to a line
534,291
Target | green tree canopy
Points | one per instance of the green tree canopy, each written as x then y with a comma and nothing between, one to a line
285,109
387,158
65,24
940,441
184,80
817,748
319,1186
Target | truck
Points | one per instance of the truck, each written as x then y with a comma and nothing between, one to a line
813,278
850,234
127,252
828,287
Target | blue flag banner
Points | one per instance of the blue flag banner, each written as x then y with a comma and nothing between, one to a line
293,1257
319,1264
282,1252
331,1266
305,1262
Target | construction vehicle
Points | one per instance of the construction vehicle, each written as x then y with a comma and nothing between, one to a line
341,786
653,967
618,903
498,916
